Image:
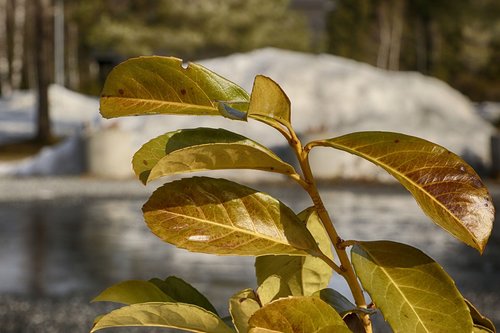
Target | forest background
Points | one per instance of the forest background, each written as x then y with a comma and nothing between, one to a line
76,43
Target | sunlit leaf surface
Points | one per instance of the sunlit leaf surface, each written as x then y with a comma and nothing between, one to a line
297,315
217,216
168,315
202,149
413,292
161,85
268,102
447,189
299,276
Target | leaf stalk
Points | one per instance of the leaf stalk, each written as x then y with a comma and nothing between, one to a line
346,269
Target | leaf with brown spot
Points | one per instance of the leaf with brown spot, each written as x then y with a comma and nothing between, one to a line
160,85
447,189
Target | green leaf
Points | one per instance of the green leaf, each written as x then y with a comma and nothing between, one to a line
299,276
447,189
268,102
168,315
217,216
160,85
269,289
479,320
481,329
200,149
300,314
182,292
242,306
339,302
413,292
131,292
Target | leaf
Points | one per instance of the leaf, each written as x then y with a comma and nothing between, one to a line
168,315
481,329
160,85
300,276
242,306
217,216
413,292
300,314
202,149
447,189
339,302
131,292
479,320
268,102
269,290
182,292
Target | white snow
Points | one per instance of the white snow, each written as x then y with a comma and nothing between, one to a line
330,96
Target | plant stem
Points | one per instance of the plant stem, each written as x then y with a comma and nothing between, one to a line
346,268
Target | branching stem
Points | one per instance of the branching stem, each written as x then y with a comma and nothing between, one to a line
346,269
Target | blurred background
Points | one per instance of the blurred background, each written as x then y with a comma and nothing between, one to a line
70,221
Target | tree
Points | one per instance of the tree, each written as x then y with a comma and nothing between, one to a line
449,40
5,86
18,42
42,60
193,29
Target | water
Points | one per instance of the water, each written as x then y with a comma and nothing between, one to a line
58,254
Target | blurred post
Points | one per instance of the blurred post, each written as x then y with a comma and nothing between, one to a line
42,58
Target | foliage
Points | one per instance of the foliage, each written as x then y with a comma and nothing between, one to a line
193,29
296,253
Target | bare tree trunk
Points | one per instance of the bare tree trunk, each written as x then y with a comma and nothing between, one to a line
59,63
5,85
385,36
18,43
30,46
42,45
396,34
73,66
420,46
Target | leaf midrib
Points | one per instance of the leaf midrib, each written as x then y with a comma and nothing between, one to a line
159,101
244,231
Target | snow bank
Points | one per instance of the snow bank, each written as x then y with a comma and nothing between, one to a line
330,96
